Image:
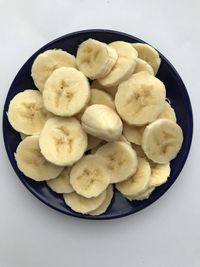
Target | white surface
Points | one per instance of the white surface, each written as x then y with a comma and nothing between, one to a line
166,233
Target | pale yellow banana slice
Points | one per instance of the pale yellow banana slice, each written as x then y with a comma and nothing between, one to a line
142,65
124,65
101,97
133,133
162,140
121,160
139,151
148,54
138,182
47,62
89,176
26,112
104,206
95,59
167,112
61,184
93,142
23,136
140,99
62,141
111,90
66,92
102,122
82,204
32,163
159,174
145,195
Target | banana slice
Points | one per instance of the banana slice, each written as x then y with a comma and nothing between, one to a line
61,184
145,195
66,92
95,59
93,142
121,160
104,206
101,97
148,54
102,122
138,182
111,90
124,65
27,113
142,65
159,174
139,151
162,140
168,112
140,99
31,162
47,62
23,136
133,133
82,204
89,176
62,141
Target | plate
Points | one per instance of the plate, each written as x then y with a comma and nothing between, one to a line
176,93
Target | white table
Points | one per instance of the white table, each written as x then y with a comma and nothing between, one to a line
164,234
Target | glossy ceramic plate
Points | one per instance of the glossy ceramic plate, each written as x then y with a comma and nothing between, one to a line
176,92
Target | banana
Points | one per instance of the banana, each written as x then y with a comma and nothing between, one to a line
142,65
139,151
140,99
111,90
138,182
61,184
102,122
66,92
101,97
148,54
145,195
82,204
31,162
95,59
133,133
168,112
162,140
93,142
26,112
106,203
89,176
23,136
121,160
62,141
124,65
159,174
47,62
122,138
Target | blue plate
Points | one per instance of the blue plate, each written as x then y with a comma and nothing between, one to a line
176,92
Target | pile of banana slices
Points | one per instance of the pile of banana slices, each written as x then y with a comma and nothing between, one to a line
97,120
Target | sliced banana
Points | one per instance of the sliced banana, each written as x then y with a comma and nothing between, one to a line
31,162
167,112
102,122
47,62
62,141
140,99
66,92
133,133
104,206
162,140
159,174
26,112
61,184
82,204
110,90
138,182
148,54
95,59
23,136
139,151
145,195
93,142
89,176
101,97
142,65
121,160
124,65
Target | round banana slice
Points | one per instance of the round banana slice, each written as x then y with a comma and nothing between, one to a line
162,140
121,160
62,141
93,142
111,90
31,162
138,182
159,174
95,59
124,65
61,184
145,195
89,176
167,112
23,136
104,206
47,62
148,54
101,97
26,112
82,204
102,122
142,65
139,151
66,92
133,133
140,99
